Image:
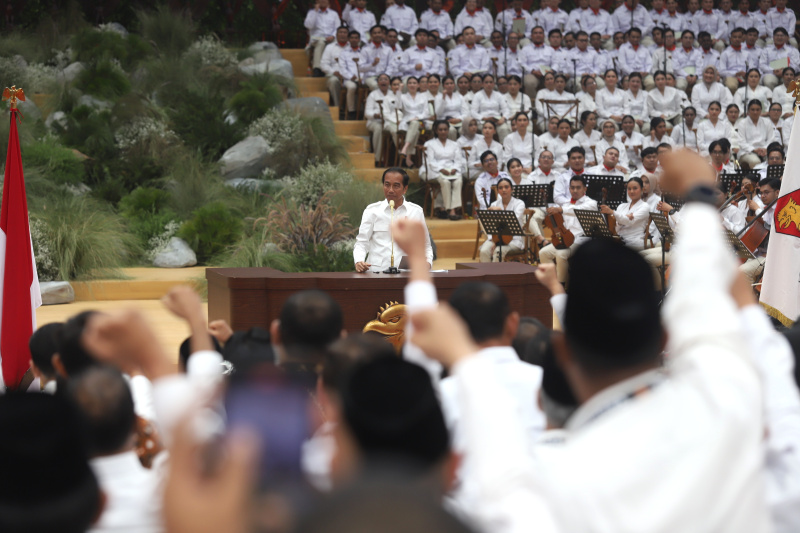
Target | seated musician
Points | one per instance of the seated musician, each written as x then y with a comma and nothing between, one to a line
609,166
751,203
719,151
374,240
505,202
653,255
775,156
770,190
579,200
489,178
732,217
650,165
631,217
576,158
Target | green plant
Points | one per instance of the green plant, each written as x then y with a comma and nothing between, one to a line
57,163
92,45
103,79
147,211
86,239
90,132
170,31
193,183
199,119
251,102
211,228
337,258
354,197
314,180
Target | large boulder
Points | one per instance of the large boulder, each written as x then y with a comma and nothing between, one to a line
59,117
248,184
265,56
94,103
56,292
116,27
281,67
262,45
177,254
30,110
310,107
254,68
245,159
72,70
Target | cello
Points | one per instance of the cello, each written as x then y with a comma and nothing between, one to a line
561,237
497,239
755,232
611,220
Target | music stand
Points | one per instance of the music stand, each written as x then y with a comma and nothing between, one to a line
667,235
614,186
741,250
502,223
675,201
593,223
775,171
532,195
727,179
550,192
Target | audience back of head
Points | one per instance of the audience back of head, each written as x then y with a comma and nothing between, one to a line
484,307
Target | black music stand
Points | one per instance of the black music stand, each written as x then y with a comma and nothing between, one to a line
675,201
532,195
727,179
775,171
502,223
741,250
667,235
593,223
550,192
614,185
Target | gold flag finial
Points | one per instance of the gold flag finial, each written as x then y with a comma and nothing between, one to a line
13,94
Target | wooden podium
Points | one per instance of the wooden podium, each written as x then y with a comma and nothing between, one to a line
247,297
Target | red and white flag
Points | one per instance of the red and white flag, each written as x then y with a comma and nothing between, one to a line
780,289
19,284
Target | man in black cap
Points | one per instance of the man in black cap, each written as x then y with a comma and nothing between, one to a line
676,448
47,483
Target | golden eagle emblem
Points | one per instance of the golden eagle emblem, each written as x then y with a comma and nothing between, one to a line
13,94
391,323
788,215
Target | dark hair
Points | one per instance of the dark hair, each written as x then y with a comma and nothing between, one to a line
104,401
580,178
637,30
752,30
611,70
562,121
396,170
515,78
421,31
484,307
247,351
576,150
376,26
638,180
70,347
738,29
665,145
439,122
553,32
626,117
343,27
512,160
793,71
485,76
510,183
531,335
715,144
772,183
486,154
310,320
650,150
689,32
448,77
730,106
703,34
715,102
780,29
43,346
520,114
634,75
342,355
581,32
655,122
584,117
689,108
354,32
776,149
185,351
773,104
659,72
754,101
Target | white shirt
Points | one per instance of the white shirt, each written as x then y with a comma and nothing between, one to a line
571,220
518,207
508,17
516,146
560,149
687,62
780,96
631,143
447,156
752,136
448,106
632,231
441,23
601,479
710,57
637,105
677,22
521,102
711,22
585,102
761,93
581,62
321,24
611,103
535,57
480,146
473,59
349,68
691,137
477,21
133,493
599,22
538,177
361,21
567,108
420,56
708,133
603,145
401,18
702,96
601,170
414,108
667,103
651,142
641,19
630,60
330,57
485,106
561,194
732,61
551,19
390,103
508,62
589,143
780,19
748,20
383,53
374,240
733,219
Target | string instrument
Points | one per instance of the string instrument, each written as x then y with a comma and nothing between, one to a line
497,239
561,237
755,232
611,220
733,196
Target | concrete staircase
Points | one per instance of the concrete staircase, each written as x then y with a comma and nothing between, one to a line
455,240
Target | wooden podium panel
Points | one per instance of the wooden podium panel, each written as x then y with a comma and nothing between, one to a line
247,297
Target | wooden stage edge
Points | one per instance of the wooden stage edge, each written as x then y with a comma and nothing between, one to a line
248,297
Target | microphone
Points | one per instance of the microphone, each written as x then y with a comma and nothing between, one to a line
392,269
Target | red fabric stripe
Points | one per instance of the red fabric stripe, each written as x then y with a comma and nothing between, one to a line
16,325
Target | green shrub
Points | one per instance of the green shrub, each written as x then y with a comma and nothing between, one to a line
199,119
90,132
59,164
315,180
337,258
355,197
251,103
171,32
147,211
92,45
103,80
192,183
86,239
252,252
210,230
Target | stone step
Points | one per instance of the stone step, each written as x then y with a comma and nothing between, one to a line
455,247
355,143
298,58
452,229
307,85
350,127
334,112
362,160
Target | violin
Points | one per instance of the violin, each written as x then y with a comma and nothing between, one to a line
561,237
497,239
611,220
755,233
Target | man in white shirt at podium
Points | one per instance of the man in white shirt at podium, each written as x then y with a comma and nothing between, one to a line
373,249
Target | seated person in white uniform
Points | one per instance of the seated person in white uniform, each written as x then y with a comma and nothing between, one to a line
374,240
505,202
631,217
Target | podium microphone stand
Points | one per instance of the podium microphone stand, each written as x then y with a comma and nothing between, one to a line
392,269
